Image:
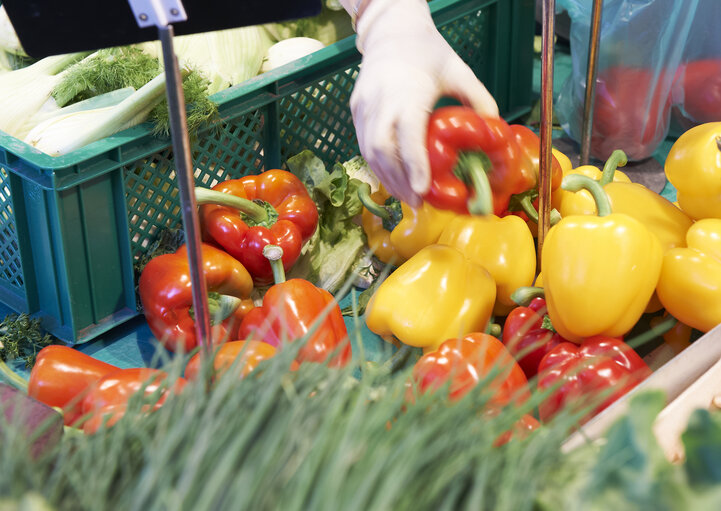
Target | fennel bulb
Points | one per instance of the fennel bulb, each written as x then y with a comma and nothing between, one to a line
24,91
224,57
67,132
288,50
9,41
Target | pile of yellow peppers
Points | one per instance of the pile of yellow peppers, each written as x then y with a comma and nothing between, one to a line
620,250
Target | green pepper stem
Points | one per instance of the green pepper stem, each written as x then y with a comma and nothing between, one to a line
274,253
617,159
220,307
524,295
473,167
13,378
364,195
576,182
399,357
254,211
494,329
530,210
660,329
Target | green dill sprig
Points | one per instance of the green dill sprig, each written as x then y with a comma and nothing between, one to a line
201,110
22,337
116,68
104,71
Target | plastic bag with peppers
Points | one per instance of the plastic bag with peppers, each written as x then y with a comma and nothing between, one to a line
642,46
697,82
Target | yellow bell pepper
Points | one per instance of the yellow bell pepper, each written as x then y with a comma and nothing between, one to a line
400,235
563,160
436,295
657,213
693,166
599,272
581,202
503,246
690,282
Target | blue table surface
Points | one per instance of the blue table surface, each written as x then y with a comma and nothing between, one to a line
132,344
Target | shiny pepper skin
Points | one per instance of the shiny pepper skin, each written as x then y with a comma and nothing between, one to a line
693,166
596,373
690,283
464,362
436,295
599,274
503,246
418,228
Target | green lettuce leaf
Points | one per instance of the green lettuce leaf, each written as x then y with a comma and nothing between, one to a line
328,258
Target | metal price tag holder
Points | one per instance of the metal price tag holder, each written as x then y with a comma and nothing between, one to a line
49,27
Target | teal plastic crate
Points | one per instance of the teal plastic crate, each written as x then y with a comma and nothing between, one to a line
71,226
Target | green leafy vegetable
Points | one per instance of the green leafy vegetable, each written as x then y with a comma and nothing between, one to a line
329,256
22,337
363,299
329,26
702,445
629,470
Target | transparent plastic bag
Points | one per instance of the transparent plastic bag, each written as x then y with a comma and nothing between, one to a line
641,50
697,84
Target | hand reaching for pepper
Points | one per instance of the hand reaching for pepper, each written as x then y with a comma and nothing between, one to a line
407,66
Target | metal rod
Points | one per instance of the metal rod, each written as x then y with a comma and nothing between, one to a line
544,184
186,184
592,68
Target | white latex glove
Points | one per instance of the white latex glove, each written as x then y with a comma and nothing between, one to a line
407,66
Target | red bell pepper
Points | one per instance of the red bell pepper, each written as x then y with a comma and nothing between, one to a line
244,215
601,369
520,430
166,295
699,84
252,353
625,117
62,376
530,145
108,400
529,335
463,148
525,204
466,361
290,310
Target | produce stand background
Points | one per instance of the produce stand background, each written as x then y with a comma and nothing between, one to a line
133,345
72,226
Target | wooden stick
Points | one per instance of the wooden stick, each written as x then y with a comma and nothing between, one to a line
544,185
591,70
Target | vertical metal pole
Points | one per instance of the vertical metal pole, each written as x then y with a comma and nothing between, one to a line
186,184
592,68
544,185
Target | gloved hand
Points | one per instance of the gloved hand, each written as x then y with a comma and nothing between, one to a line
407,66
